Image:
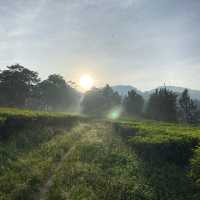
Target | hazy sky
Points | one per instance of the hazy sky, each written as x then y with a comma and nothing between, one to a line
145,43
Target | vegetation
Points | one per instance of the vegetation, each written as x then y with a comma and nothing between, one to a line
22,88
189,112
48,155
30,145
195,167
162,105
99,102
166,148
133,104
16,85
51,158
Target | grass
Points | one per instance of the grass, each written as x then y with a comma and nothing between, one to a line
166,148
14,119
99,167
30,142
162,141
195,167
52,156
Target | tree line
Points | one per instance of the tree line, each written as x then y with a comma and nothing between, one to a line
162,105
23,88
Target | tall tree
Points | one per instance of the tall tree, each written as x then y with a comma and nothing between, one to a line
98,102
162,105
188,108
16,85
55,94
133,103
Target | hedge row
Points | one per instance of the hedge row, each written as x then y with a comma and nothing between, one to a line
14,119
161,143
195,167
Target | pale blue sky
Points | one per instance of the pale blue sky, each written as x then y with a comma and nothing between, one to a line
145,43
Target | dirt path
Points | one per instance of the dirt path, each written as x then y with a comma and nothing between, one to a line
46,187
44,190
97,159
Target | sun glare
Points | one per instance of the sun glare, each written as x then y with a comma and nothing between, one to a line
86,82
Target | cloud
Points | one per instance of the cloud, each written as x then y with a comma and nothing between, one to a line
129,36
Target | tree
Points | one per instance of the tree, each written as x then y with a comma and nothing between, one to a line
98,102
188,108
54,94
133,103
16,85
162,105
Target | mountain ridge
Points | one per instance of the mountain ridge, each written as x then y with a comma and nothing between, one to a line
123,90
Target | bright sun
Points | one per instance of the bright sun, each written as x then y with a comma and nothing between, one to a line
86,82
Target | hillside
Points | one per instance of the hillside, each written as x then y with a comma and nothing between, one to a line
57,156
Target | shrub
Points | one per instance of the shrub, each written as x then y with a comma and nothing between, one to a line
160,141
195,167
14,119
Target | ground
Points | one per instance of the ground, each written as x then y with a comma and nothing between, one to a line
89,161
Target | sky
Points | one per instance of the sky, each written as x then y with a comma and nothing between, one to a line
144,43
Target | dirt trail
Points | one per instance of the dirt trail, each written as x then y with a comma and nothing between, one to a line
79,168
45,188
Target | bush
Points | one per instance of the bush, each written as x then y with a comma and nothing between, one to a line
160,141
195,167
167,148
14,119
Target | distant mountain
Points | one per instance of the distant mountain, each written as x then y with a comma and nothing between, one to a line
194,94
124,89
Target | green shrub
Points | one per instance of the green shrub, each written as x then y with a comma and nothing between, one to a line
15,119
157,141
195,167
176,149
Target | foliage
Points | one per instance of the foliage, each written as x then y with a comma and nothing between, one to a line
188,108
166,150
195,169
162,105
16,85
21,87
161,141
27,138
16,119
99,168
133,103
98,102
25,175
91,161
54,94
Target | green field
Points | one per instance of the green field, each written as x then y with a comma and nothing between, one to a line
54,156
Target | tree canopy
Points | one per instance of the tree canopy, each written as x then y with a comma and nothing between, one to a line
188,108
16,85
21,87
98,102
133,103
162,105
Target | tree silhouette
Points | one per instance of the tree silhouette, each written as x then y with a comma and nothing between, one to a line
16,85
188,108
98,102
162,105
55,94
133,103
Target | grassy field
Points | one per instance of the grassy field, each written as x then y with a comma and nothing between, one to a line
166,147
52,156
